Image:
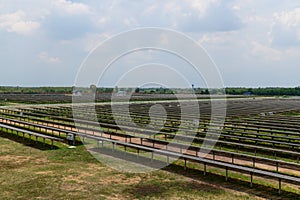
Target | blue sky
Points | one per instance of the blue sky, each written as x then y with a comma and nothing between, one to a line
253,43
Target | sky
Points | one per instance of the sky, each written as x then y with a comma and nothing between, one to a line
253,43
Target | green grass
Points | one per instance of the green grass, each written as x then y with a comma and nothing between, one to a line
4,103
28,172
296,114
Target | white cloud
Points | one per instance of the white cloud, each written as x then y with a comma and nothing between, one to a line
289,19
216,38
286,28
15,22
70,7
237,34
103,20
130,22
293,52
208,16
92,40
45,57
187,16
202,6
265,52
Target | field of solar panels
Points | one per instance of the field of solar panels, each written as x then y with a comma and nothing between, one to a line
255,154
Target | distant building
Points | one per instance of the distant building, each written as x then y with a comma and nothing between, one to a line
77,93
121,93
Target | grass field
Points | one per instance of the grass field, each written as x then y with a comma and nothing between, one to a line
32,171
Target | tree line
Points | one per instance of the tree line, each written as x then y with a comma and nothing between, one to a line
267,91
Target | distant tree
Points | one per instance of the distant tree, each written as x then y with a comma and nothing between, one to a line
93,88
116,89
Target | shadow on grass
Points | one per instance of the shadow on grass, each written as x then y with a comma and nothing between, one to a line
160,189
29,142
212,179
233,183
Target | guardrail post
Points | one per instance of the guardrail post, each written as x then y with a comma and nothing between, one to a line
185,164
74,141
251,179
152,156
279,186
226,174
204,171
